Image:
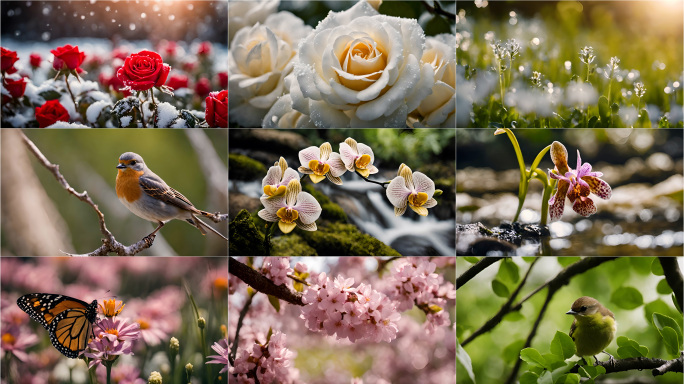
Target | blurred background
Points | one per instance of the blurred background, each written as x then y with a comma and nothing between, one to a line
642,166
430,151
153,291
40,218
495,353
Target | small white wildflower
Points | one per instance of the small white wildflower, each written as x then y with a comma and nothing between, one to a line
587,55
639,89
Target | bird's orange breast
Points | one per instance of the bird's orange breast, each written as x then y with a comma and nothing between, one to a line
127,184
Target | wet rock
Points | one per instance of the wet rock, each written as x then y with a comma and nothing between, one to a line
338,239
415,245
280,142
478,240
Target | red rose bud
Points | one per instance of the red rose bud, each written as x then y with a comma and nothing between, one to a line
67,57
51,112
7,60
120,53
203,87
16,88
143,70
204,49
223,79
168,47
178,81
216,113
189,66
35,60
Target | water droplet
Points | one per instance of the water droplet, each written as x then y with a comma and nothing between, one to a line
113,20
45,36
92,13
143,15
82,17
10,13
131,27
107,8
172,17
17,33
46,10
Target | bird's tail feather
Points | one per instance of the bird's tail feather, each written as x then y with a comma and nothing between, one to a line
201,225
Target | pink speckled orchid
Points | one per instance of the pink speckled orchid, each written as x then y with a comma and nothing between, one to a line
575,184
322,162
412,189
357,157
277,178
294,209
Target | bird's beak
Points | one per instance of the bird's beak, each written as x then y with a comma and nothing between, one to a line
121,166
571,312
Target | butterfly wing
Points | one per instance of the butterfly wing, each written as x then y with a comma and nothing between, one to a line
68,320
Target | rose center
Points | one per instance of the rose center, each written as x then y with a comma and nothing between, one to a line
318,168
418,199
287,215
363,161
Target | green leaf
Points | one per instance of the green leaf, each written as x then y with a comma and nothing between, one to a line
670,338
663,287
508,271
533,357
629,348
641,265
464,359
656,268
592,122
570,378
274,302
627,298
50,95
528,378
471,259
500,288
662,322
562,345
565,261
546,378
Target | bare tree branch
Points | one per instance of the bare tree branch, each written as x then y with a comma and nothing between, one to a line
475,270
675,365
673,276
262,284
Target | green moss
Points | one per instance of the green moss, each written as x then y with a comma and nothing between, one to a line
331,211
245,239
339,239
291,245
241,167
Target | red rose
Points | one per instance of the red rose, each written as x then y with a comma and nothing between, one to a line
223,79
35,60
204,49
7,61
51,112
216,113
16,88
203,87
178,81
67,57
143,70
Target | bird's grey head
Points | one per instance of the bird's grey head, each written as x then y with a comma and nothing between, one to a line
132,161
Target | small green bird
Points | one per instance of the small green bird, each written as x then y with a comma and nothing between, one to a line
594,327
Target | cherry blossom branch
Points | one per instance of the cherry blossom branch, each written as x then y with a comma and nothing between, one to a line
295,278
658,366
383,184
673,276
243,313
262,284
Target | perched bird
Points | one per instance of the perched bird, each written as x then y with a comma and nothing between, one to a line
594,327
149,197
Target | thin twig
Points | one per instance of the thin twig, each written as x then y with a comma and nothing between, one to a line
243,313
475,270
262,284
383,184
658,366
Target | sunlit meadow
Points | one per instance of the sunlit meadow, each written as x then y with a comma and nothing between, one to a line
160,299
569,64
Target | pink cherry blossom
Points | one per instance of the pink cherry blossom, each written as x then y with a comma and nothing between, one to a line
277,269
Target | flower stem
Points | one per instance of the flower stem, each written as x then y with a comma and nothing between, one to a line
154,116
142,113
109,372
524,179
383,184
501,83
66,80
541,176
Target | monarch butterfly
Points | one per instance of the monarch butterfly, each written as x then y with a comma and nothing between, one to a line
69,321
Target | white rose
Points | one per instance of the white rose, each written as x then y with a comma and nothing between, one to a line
258,60
247,13
438,110
361,69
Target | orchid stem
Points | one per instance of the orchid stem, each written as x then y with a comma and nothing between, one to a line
548,187
524,179
383,184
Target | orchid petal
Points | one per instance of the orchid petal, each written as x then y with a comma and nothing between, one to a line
430,203
423,183
399,211
419,210
598,187
366,150
557,202
268,216
579,161
397,193
584,206
334,179
308,154
347,155
337,167
326,150
290,174
559,156
273,204
294,188
309,209
272,176
306,227
286,227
